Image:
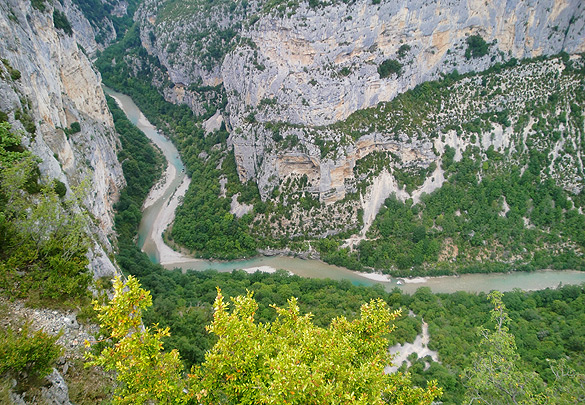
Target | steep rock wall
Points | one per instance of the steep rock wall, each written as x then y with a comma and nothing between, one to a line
320,65
314,66
58,87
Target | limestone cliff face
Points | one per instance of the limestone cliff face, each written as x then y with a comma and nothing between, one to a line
58,87
312,67
320,65
189,39
85,32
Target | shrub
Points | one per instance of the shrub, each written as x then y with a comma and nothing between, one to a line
476,47
74,128
38,4
32,354
26,121
61,22
60,188
345,71
14,73
403,50
388,67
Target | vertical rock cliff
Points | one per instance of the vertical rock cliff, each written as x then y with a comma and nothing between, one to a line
320,64
57,101
313,64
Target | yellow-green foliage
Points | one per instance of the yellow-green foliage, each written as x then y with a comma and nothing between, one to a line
287,361
24,353
134,352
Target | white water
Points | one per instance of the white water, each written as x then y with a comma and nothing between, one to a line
155,220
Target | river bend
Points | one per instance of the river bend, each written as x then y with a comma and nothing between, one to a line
158,213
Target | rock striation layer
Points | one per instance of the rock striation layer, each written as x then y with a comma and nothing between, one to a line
320,65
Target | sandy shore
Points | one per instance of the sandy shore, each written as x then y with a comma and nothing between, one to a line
158,190
164,218
383,278
168,256
415,280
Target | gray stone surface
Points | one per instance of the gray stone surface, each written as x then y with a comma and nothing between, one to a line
316,66
61,87
57,392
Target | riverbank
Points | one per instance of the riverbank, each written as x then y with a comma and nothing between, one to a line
161,187
162,221
165,196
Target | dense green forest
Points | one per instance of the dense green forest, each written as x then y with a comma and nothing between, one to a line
546,324
469,217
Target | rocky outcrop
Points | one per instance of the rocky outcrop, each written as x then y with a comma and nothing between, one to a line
330,177
58,87
320,65
57,392
308,67
72,337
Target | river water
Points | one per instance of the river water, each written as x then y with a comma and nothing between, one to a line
314,268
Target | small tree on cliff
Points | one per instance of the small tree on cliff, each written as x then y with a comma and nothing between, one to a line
288,361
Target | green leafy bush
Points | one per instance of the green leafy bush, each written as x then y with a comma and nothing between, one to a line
44,244
39,4
60,188
403,50
61,22
14,73
389,67
73,129
476,47
27,121
25,353
345,71
290,360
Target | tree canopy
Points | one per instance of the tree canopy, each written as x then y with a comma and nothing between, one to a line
287,361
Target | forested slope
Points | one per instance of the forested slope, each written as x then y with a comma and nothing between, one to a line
503,190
